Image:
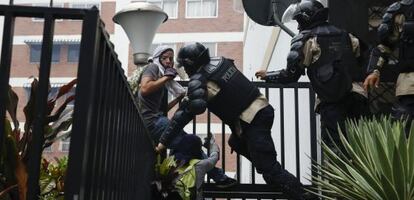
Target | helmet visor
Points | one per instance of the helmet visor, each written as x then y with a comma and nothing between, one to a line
289,13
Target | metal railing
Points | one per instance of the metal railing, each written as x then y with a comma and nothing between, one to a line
111,142
280,96
111,155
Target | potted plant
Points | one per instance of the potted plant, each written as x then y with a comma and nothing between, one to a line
13,157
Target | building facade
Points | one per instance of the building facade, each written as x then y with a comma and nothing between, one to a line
215,23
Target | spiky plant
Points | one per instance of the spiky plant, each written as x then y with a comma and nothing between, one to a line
379,163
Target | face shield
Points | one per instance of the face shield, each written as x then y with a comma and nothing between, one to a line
289,13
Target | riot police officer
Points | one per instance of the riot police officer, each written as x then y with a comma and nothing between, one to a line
329,56
215,83
396,32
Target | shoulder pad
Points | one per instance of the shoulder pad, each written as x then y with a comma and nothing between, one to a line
407,2
394,7
387,18
194,84
215,62
293,57
296,46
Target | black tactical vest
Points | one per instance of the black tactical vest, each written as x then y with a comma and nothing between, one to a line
406,51
332,74
236,91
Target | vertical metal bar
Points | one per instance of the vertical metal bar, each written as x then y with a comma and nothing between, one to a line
83,121
253,174
209,134
282,127
94,147
130,184
238,167
11,2
103,154
223,147
313,138
6,57
194,124
103,136
297,141
121,167
51,3
164,105
35,146
107,150
117,133
127,137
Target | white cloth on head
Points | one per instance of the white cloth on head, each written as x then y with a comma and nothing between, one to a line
172,86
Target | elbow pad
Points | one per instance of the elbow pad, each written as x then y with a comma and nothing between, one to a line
283,76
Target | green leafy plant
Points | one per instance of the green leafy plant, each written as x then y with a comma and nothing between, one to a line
52,179
379,163
166,177
13,158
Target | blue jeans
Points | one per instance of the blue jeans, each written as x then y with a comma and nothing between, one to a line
159,127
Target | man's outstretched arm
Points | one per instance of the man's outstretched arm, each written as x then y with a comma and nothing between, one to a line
294,68
194,104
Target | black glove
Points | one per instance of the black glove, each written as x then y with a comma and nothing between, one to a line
208,141
169,71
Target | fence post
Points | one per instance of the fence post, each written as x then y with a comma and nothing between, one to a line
84,107
35,146
6,54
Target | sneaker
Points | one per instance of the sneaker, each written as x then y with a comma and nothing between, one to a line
226,183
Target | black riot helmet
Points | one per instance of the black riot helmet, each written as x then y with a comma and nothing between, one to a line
308,14
192,57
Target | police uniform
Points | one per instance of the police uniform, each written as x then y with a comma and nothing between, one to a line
397,32
329,56
226,92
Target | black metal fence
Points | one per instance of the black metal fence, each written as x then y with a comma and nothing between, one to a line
109,137
111,155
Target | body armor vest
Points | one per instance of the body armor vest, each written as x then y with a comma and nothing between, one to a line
236,91
406,51
332,74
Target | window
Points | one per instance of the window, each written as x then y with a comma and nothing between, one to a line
201,8
85,5
54,89
212,47
64,145
36,49
168,6
73,52
55,5
48,149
